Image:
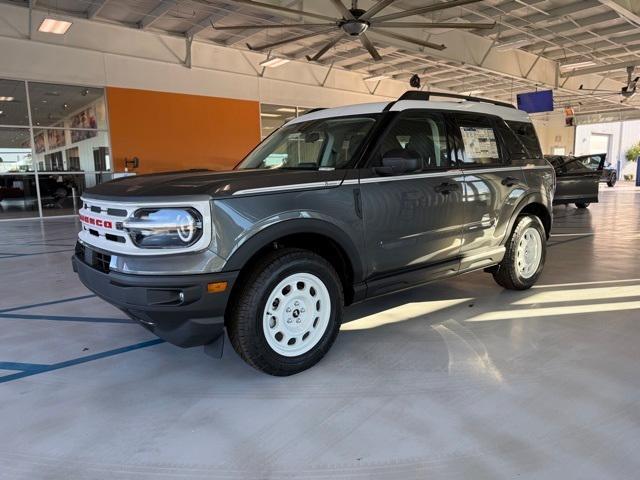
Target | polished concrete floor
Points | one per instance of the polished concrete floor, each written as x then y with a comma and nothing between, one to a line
459,379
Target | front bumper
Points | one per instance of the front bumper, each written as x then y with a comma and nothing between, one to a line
177,308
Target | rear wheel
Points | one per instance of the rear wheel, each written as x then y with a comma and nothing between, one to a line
612,180
582,204
288,313
525,255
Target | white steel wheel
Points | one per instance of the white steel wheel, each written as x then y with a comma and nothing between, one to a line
529,253
296,314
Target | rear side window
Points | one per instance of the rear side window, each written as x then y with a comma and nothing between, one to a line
480,141
526,133
515,148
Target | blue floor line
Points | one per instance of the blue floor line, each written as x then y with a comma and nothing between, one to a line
64,318
44,304
78,361
23,367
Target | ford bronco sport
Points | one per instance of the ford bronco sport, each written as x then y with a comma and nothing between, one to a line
337,206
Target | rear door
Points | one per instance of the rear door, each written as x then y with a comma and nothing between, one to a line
413,219
493,180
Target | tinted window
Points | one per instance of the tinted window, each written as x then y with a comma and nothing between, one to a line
418,135
515,148
480,141
526,133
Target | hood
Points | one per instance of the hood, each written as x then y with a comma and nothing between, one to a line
207,182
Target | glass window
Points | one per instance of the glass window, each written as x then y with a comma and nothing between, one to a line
65,106
417,135
526,133
15,150
515,148
18,196
324,143
13,103
591,162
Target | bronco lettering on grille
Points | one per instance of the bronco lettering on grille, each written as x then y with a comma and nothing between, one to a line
96,221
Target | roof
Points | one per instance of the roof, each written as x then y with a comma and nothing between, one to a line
506,113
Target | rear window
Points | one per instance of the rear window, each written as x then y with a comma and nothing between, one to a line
526,133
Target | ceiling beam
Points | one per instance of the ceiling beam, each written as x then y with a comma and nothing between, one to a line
95,8
624,9
158,12
206,23
600,69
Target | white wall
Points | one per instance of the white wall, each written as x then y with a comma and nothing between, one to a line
100,54
623,136
552,132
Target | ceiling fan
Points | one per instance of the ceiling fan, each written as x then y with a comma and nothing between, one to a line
627,91
355,22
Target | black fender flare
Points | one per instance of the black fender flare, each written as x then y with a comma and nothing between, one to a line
262,238
530,198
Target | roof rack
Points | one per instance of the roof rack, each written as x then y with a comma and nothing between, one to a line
421,95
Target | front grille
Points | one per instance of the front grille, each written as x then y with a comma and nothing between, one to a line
98,260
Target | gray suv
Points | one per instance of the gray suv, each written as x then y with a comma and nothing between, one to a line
337,206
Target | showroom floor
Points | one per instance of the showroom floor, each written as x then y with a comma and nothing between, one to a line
459,379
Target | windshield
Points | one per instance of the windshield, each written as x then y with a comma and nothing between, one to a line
324,143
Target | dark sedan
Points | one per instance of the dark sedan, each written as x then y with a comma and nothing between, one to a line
577,178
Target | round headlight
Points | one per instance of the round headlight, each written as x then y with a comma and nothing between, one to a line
164,227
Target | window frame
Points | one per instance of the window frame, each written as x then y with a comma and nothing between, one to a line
398,116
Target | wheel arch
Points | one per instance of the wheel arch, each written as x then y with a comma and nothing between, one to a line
318,236
534,205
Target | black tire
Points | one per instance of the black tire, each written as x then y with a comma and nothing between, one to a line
612,180
245,316
582,204
507,275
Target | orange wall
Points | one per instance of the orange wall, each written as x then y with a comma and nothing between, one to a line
172,131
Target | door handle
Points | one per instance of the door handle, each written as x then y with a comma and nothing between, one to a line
510,181
446,188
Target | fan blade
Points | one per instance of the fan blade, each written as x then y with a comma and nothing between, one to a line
404,38
265,46
284,25
368,44
325,49
432,25
269,7
421,10
375,9
344,11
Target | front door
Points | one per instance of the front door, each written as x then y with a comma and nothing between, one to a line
412,219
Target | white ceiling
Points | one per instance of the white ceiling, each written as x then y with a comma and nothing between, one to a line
564,31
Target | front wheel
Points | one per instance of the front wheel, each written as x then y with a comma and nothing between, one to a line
288,313
582,204
525,254
612,180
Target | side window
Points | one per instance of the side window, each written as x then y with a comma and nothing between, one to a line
515,148
526,133
480,141
419,135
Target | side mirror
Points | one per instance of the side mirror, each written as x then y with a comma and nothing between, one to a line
397,162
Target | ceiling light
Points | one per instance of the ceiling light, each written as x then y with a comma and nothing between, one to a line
286,110
375,78
51,25
586,63
270,115
274,62
6,99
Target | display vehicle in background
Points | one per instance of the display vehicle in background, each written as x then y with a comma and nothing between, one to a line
337,206
577,178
